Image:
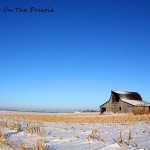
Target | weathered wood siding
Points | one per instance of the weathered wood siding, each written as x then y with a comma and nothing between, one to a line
120,107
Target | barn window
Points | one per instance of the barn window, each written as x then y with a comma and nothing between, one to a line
117,99
120,108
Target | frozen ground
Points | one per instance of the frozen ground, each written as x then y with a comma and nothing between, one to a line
73,136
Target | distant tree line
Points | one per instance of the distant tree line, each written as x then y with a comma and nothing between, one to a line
90,110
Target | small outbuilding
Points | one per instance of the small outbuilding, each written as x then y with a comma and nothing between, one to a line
124,102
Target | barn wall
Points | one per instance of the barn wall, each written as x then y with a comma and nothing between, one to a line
147,108
117,107
107,106
125,107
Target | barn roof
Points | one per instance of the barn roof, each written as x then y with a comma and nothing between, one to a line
104,103
127,95
135,102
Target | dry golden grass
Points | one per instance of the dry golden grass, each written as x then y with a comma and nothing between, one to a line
139,111
80,118
3,140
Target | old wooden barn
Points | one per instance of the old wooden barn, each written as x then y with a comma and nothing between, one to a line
124,102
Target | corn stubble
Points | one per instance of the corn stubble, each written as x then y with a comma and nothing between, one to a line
35,125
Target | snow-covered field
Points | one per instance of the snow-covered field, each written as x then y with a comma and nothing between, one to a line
75,136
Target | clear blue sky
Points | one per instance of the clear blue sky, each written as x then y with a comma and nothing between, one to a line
73,58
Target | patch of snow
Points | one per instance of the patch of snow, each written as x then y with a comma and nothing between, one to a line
121,92
73,136
136,102
112,147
